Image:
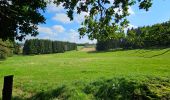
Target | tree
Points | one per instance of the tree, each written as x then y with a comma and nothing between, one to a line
40,46
17,48
157,35
104,15
19,18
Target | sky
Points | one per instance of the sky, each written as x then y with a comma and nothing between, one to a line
59,27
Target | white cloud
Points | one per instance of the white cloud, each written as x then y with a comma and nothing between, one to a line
111,1
58,28
46,30
54,8
86,40
69,35
61,17
130,10
80,17
131,26
119,11
53,30
74,37
30,37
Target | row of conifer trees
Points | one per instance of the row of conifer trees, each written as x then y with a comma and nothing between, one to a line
40,46
154,36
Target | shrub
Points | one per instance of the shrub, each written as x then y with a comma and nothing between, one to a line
6,49
3,53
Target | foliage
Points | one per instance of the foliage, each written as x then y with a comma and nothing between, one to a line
81,44
3,53
19,18
117,42
103,45
157,35
17,48
6,49
39,46
105,17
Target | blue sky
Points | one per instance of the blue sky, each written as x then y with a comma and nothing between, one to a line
59,27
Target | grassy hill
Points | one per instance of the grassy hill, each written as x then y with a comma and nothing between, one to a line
70,74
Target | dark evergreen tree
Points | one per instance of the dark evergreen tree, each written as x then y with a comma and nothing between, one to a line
39,46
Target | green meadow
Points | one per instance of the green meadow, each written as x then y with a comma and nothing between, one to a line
72,75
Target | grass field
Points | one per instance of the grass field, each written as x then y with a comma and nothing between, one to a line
34,74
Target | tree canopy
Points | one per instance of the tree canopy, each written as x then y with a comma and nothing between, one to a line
19,18
153,36
105,16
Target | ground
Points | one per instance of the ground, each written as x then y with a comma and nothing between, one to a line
36,73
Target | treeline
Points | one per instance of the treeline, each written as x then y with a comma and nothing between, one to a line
8,48
40,46
157,35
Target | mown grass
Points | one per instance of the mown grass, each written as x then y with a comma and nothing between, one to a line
44,75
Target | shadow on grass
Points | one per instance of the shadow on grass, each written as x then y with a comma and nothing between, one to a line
123,89
110,89
113,50
47,95
159,54
138,51
1,60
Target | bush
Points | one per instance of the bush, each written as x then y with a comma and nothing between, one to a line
3,53
6,49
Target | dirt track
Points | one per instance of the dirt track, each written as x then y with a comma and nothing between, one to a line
88,49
